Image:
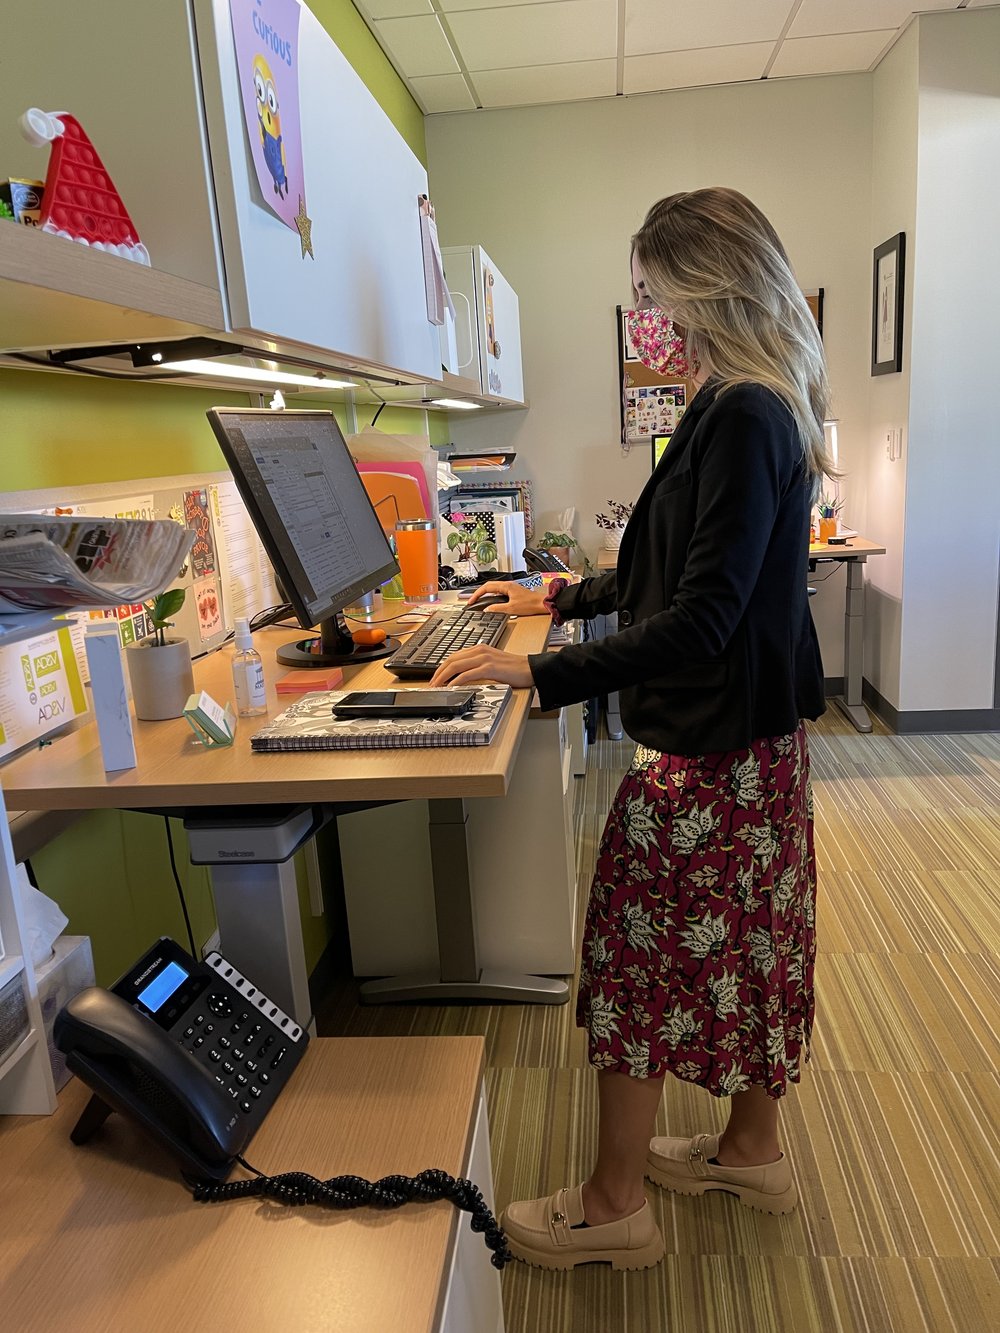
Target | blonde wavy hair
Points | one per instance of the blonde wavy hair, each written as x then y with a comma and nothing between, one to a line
714,263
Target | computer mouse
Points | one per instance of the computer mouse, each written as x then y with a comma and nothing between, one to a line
491,599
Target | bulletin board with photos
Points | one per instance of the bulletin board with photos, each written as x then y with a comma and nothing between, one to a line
652,405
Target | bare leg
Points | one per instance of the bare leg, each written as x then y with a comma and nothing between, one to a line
751,1134
627,1118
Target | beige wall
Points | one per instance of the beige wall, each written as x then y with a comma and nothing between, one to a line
554,193
893,210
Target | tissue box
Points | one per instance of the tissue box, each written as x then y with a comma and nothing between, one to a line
69,970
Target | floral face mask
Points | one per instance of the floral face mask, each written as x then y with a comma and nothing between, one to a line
658,345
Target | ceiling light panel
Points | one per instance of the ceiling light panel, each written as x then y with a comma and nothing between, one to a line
652,25
442,92
394,9
451,6
417,45
533,84
696,69
842,54
536,34
819,18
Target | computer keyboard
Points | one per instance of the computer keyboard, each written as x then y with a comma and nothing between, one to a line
442,634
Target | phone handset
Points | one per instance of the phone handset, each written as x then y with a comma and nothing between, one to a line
135,1068
544,562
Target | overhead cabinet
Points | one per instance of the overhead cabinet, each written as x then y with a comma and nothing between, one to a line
325,258
487,320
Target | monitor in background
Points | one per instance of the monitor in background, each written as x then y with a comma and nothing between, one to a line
315,521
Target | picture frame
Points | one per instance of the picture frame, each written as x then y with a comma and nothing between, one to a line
887,305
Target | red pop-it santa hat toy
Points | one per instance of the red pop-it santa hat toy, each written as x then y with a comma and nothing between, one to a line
80,200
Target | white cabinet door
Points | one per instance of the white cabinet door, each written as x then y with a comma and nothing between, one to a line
360,293
496,326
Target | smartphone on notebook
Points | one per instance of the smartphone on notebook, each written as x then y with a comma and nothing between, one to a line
404,703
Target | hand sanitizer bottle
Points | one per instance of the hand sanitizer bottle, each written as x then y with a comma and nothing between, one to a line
248,674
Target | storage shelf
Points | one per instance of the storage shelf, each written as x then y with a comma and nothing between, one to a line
59,293
26,1045
10,967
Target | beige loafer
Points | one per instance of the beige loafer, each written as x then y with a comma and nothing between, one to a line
541,1232
685,1166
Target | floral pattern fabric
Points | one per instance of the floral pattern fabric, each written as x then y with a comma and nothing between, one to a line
700,942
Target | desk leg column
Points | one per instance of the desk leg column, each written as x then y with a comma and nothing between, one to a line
260,931
459,976
851,704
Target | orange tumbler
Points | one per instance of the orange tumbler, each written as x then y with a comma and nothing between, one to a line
417,552
827,529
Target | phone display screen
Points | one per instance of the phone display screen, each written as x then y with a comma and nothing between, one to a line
163,985
412,703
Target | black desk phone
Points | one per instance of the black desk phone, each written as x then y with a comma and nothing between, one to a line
544,562
193,1051
198,1055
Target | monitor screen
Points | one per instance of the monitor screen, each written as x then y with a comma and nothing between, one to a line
308,504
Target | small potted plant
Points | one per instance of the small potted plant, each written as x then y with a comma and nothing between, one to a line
613,523
559,544
828,511
473,546
160,667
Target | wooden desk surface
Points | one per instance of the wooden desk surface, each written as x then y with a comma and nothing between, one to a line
173,769
857,548
106,1237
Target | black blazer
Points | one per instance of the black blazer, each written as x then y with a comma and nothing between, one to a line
715,644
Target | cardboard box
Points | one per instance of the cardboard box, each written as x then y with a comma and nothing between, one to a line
59,978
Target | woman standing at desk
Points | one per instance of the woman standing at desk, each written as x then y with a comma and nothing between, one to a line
699,944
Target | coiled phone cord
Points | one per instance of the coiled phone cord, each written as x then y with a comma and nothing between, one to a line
295,1188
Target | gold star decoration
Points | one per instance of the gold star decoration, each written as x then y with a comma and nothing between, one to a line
304,225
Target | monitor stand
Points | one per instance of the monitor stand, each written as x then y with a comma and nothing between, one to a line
334,647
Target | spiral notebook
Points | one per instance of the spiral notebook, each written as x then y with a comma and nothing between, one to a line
309,724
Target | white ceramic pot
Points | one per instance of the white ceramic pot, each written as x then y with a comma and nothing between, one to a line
613,538
161,678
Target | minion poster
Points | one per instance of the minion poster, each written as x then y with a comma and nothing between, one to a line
266,36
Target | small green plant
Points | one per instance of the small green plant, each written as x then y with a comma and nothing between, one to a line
557,539
827,508
6,211
159,611
473,543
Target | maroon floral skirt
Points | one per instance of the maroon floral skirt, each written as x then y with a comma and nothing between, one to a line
700,940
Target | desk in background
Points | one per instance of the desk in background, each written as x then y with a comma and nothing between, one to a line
853,555
257,904
106,1236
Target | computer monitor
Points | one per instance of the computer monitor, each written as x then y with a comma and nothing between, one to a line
314,519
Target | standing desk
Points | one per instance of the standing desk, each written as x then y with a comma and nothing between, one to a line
257,904
853,555
106,1237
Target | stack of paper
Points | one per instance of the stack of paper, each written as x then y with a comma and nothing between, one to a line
58,562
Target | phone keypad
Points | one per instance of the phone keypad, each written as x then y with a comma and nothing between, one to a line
242,1039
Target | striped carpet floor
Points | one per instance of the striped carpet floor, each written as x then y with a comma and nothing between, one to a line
893,1132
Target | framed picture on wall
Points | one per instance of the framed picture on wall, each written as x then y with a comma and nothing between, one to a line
887,306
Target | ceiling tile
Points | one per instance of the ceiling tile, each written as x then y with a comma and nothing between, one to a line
555,33
393,9
654,25
829,55
820,17
546,83
442,92
693,69
418,46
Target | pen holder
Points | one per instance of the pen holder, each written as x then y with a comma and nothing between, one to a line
827,529
417,553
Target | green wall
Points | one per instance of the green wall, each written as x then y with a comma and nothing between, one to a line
110,871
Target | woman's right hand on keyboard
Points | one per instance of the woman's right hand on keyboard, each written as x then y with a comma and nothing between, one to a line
520,601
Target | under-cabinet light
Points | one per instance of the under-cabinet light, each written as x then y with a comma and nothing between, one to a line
281,378
455,403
